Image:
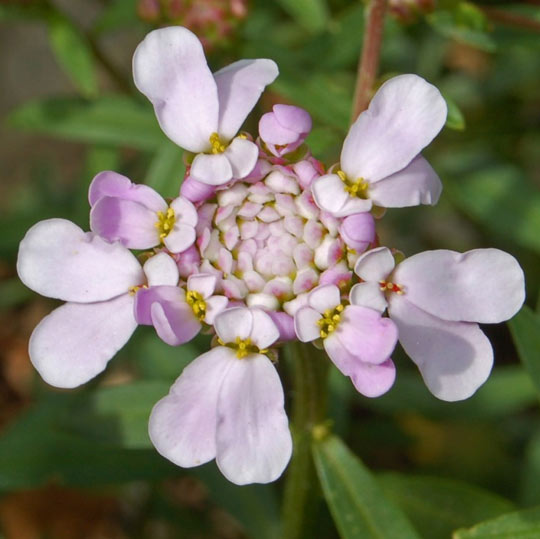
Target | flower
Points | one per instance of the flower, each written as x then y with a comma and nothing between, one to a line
380,160
99,281
284,129
138,216
178,314
228,404
201,112
357,339
437,298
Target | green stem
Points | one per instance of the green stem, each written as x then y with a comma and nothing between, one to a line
369,60
309,368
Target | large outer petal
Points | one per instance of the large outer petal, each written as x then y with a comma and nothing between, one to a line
416,184
455,358
75,342
239,87
483,285
112,184
182,425
57,259
402,119
126,221
253,440
170,69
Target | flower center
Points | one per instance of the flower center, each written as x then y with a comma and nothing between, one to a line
134,289
197,303
165,222
217,145
387,286
243,347
330,320
358,188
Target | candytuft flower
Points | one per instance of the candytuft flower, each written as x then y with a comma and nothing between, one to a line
228,404
437,299
201,112
380,160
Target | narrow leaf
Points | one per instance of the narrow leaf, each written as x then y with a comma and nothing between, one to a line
437,506
73,53
523,524
525,329
455,119
166,170
356,501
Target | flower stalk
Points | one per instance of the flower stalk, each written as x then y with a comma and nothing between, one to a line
369,60
309,369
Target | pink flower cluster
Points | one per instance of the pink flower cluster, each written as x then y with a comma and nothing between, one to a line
263,245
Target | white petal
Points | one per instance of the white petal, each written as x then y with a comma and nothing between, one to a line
253,440
368,294
75,342
161,269
57,259
170,69
232,323
242,155
324,297
375,265
329,193
212,169
455,358
182,425
305,324
264,332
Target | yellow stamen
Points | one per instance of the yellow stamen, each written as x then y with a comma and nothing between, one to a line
165,222
357,188
243,347
134,289
217,145
388,286
330,320
196,301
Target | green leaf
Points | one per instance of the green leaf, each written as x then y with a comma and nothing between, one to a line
111,120
117,415
437,506
523,524
356,501
525,329
73,53
455,119
503,201
13,293
166,170
311,14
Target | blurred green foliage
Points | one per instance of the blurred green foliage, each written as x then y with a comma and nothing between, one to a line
438,466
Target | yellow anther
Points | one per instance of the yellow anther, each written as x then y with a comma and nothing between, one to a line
197,303
342,175
165,222
330,320
243,347
357,188
217,145
388,286
134,289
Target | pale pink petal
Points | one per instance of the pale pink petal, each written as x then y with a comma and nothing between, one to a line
75,342
375,265
239,87
403,117
184,211
182,425
455,358
366,334
180,238
204,283
372,380
196,191
242,155
358,231
175,323
368,294
354,205
329,193
170,69
233,323
416,184
214,306
212,169
272,132
112,184
324,297
293,118
285,325
57,259
253,442
145,297
128,222
264,332
161,269
305,324
483,285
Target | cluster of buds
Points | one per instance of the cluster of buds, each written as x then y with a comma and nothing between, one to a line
213,20
263,245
